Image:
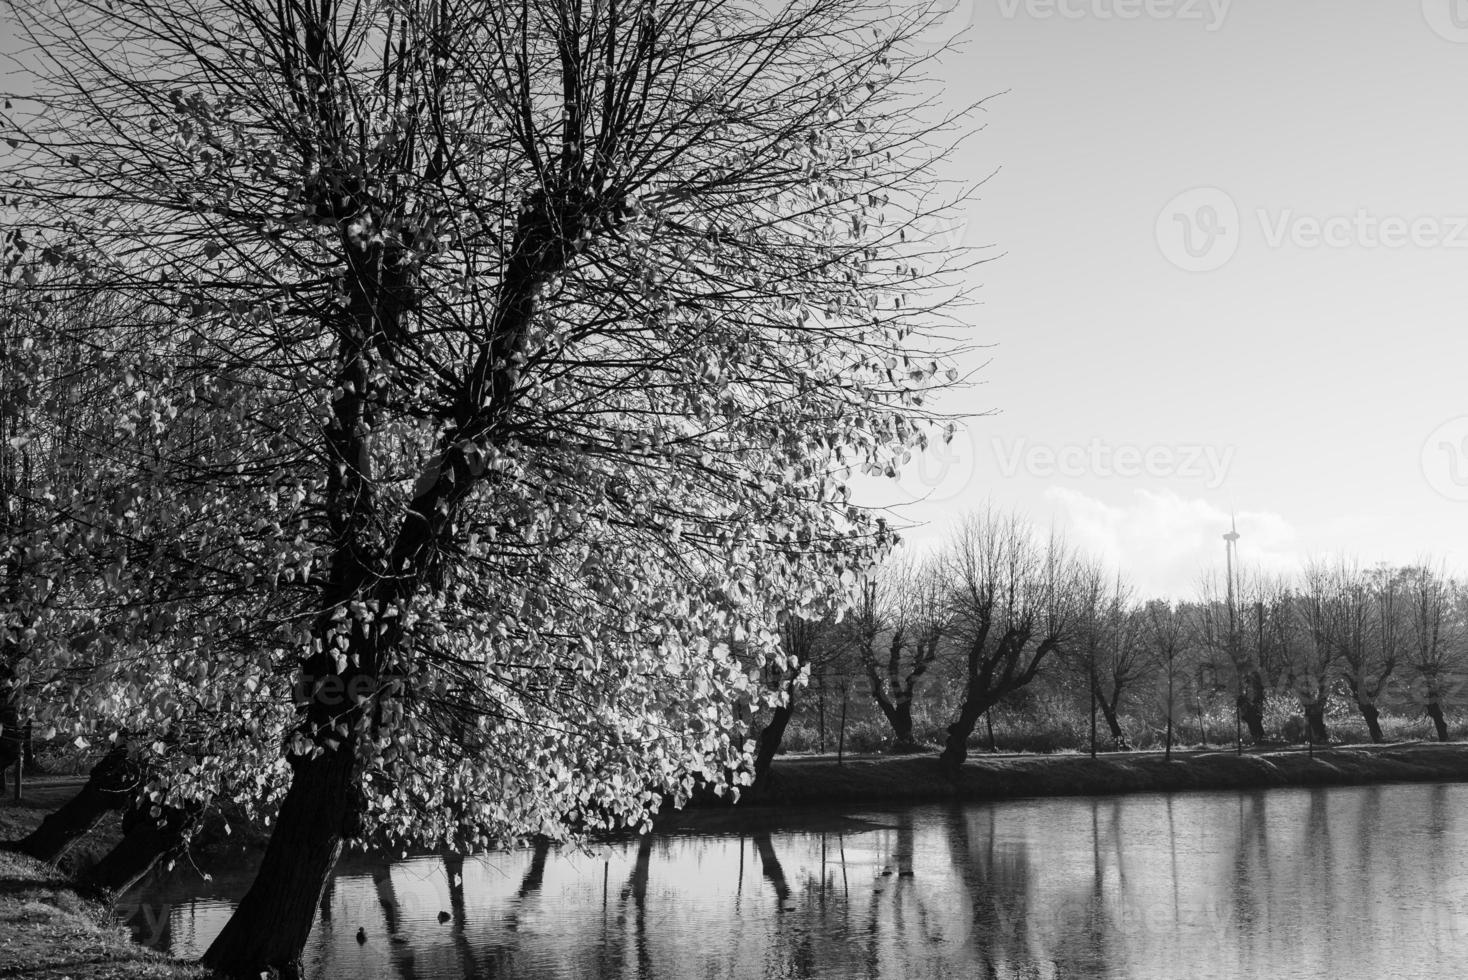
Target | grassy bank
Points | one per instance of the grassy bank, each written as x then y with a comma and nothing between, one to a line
917,779
48,929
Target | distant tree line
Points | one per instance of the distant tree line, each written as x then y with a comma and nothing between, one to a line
1005,620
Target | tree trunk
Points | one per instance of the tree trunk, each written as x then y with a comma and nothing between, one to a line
1093,715
1435,712
270,926
147,841
955,747
1315,718
821,714
1373,720
1113,723
1369,712
902,726
770,738
1252,713
897,713
1168,753
109,786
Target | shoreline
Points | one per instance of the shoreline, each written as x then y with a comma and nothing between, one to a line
797,782
51,925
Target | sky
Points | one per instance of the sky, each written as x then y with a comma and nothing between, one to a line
1230,276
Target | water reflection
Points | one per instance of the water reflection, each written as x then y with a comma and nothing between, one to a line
1345,882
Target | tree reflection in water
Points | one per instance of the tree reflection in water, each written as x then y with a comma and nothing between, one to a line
1355,883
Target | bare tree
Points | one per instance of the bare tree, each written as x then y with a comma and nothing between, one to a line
898,624
1368,651
1435,635
1307,637
1011,607
1164,630
1106,646
1233,646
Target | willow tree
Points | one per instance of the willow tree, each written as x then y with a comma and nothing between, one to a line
1434,636
1012,605
504,358
896,625
1108,647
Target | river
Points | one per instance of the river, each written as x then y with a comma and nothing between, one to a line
1351,882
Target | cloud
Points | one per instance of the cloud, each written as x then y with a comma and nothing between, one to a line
1165,544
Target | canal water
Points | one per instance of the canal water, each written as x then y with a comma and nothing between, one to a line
1356,882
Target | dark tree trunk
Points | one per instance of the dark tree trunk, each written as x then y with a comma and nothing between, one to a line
270,926
1435,712
1251,712
955,747
12,739
29,762
1373,720
897,710
770,738
146,841
991,676
109,787
1113,723
901,719
1315,718
1170,707
1369,712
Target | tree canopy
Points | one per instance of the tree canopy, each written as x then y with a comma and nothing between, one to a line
471,370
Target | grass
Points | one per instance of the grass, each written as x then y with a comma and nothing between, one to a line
914,779
51,930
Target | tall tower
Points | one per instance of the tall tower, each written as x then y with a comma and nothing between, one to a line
1231,550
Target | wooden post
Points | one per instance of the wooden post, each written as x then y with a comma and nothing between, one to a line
841,736
1093,710
1238,723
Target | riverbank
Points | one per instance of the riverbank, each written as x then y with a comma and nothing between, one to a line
48,928
917,779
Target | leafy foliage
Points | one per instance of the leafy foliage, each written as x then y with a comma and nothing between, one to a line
475,370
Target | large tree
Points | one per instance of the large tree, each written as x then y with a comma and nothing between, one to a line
1434,637
1011,606
501,359
1369,647
1310,645
1164,630
1229,629
897,624
1107,648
